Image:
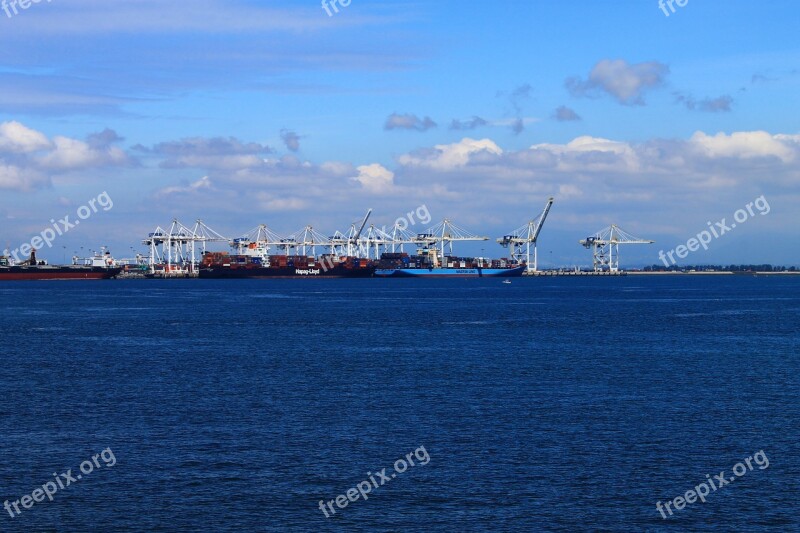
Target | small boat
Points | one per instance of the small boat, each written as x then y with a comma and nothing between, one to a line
506,282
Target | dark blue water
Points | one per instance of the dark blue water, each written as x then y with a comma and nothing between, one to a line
547,404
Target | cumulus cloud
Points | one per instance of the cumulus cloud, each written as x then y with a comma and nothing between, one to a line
721,104
746,145
19,139
624,81
16,178
28,158
565,114
471,124
408,121
450,156
643,177
291,139
71,154
375,178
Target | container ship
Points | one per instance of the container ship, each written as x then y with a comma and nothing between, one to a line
99,267
428,264
224,265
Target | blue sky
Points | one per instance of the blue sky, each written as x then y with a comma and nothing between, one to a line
245,112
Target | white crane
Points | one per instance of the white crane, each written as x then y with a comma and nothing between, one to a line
351,244
176,248
524,236
445,233
257,243
605,247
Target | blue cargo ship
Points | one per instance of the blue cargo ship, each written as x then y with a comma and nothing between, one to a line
428,264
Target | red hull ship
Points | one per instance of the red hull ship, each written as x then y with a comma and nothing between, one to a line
32,270
222,265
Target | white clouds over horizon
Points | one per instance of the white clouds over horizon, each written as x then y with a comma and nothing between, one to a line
29,159
595,175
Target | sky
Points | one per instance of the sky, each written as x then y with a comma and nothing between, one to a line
663,121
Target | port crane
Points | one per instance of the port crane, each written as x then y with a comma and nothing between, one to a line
305,238
522,238
605,247
176,248
445,233
257,241
352,242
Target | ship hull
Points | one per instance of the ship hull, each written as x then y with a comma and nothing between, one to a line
285,273
21,273
450,272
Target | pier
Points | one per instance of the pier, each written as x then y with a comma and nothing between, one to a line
573,273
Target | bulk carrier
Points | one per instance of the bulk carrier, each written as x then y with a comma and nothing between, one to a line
99,267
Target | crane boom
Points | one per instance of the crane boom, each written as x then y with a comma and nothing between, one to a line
364,223
543,217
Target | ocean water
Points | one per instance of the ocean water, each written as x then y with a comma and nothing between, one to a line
564,404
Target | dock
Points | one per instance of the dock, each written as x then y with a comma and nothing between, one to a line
573,273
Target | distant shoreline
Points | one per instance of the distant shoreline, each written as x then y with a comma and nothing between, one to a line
716,273
589,273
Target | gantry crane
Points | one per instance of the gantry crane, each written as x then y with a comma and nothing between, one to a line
176,248
445,233
605,247
522,238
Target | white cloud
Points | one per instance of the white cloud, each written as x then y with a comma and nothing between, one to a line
375,178
17,138
28,159
450,156
20,179
587,144
745,145
74,154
